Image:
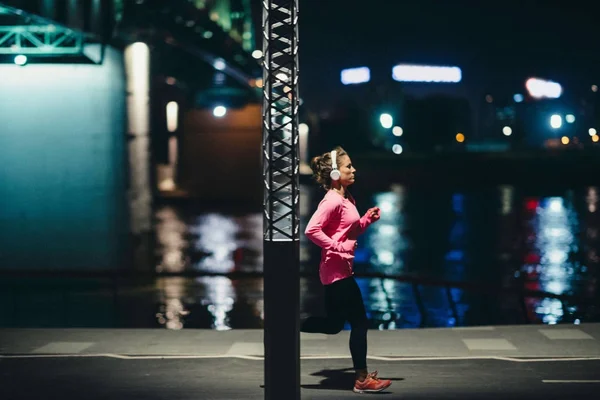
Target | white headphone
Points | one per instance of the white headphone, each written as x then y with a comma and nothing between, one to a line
335,173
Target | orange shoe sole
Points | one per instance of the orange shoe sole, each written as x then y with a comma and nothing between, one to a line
356,390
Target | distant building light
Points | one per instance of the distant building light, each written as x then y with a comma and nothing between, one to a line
207,34
539,88
570,118
507,131
219,64
219,111
489,98
352,76
257,54
386,120
556,121
397,149
518,98
397,131
20,59
592,131
426,73
460,137
594,88
565,140
595,138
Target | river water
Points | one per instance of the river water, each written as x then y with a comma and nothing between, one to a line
461,244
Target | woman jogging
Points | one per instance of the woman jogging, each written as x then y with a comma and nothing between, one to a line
335,227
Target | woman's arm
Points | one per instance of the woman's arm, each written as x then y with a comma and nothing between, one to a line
370,216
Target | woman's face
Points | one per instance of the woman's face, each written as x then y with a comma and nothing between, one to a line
346,170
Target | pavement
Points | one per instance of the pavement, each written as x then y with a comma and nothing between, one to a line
494,362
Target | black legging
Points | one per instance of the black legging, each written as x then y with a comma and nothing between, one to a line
343,302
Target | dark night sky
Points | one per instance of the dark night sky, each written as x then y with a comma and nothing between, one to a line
492,41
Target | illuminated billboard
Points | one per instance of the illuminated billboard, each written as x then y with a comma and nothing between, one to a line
540,88
426,73
353,76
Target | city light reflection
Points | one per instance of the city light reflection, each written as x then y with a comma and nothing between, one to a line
170,230
507,194
219,297
546,232
212,243
453,307
382,246
171,312
555,222
385,241
216,237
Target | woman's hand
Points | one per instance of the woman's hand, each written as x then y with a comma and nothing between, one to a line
373,213
349,245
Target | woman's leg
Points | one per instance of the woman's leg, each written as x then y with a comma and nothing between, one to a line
359,325
326,325
343,302
333,322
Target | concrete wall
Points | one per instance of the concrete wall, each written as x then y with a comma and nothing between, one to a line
221,158
63,165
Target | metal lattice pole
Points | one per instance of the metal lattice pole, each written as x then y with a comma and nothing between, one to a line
281,199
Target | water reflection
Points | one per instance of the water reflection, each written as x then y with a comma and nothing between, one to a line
454,265
219,298
171,311
212,243
170,231
216,239
554,262
507,194
385,240
494,235
557,223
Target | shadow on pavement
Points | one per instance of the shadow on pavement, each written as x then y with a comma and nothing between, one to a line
338,379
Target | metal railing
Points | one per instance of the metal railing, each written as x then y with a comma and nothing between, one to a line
116,281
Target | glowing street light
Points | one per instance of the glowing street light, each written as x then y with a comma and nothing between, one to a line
219,111
386,120
556,121
21,60
219,64
397,149
172,116
397,131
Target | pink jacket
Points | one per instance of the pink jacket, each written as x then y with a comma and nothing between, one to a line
334,227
